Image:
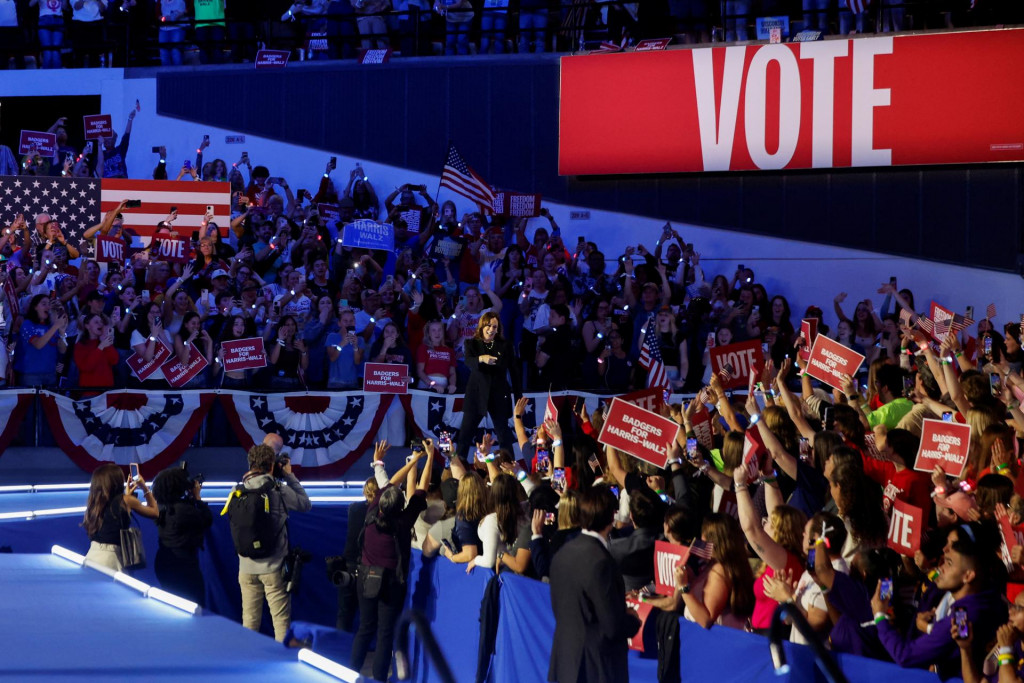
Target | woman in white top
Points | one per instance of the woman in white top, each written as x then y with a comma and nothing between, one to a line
173,19
51,30
87,31
148,334
503,531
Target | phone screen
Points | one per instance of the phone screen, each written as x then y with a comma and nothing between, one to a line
885,590
558,480
828,422
947,416
995,384
578,406
133,469
691,449
960,619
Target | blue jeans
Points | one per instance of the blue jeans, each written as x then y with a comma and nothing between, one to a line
532,25
35,379
816,14
492,28
171,56
457,40
51,38
736,24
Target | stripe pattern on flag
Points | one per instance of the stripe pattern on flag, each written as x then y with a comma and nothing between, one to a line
990,311
458,177
650,358
149,428
158,196
960,323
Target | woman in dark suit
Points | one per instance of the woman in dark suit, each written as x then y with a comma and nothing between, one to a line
488,392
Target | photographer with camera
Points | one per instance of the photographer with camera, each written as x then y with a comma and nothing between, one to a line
386,546
258,509
181,526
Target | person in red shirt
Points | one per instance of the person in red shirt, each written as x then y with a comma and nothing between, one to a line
895,473
95,355
435,362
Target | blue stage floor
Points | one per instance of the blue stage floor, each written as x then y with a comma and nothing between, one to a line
62,622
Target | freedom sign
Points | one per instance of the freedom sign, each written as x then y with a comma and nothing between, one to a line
369,234
743,358
109,249
945,98
386,378
667,556
97,126
244,354
173,249
34,141
143,369
945,444
639,432
905,528
178,374
830,360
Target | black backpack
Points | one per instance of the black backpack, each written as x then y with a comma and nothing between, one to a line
252,526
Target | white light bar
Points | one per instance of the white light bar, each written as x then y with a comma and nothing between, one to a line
68,555
305,484
58,511
16,489
328,666
60,487
312,499
132,582
25,514
173,600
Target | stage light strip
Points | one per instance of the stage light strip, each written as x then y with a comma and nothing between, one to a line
16,489
58,511
26,514
312,499
305,484
68,555
173,600
60,487
132,582
328,666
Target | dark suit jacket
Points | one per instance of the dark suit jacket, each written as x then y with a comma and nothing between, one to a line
634,555
591,621
488,384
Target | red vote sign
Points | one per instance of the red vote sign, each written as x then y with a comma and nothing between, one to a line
109,249
830,360
643,610
945,444
639,432
741,359
943,98
244,354
809,330
649,399
97,126
386,378
143,369
667,556
178,374
174,249
905,528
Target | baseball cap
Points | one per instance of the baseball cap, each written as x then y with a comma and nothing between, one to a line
219,273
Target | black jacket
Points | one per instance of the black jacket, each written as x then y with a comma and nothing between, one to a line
591,622
488,384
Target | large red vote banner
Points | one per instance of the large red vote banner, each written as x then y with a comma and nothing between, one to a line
885,101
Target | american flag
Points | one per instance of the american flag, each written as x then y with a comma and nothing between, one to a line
73,202
960,322
858,6
458,177
650,358
941,327
158,196
702,549
925,323
990,312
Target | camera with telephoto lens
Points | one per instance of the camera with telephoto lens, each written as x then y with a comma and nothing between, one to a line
293,562
337,571
192,481
280,464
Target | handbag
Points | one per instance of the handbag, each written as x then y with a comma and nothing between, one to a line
373,581
133,554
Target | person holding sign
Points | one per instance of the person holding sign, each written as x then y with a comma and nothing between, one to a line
287,354
723,593
488,391
185,340
895,473
234,329
148,335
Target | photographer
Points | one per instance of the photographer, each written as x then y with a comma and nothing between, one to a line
182,524
263,576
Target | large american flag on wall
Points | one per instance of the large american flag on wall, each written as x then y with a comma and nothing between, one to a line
73,202
158,196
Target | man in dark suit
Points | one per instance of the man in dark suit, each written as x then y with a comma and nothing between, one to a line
588,598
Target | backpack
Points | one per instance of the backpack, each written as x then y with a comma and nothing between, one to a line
252,526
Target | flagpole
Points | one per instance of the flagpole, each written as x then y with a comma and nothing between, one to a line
439,180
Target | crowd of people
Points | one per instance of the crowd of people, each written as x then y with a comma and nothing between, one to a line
77,33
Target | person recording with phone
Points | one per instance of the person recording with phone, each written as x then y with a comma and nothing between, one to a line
108,511
488,391
181,526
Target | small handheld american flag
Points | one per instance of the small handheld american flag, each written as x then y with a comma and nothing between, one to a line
650,357
990,311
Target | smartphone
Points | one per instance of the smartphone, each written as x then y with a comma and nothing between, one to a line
741,267
133,204
156,150
885,589
805,449
549,518
133,470
174,209
462,301
947,416
558,480
188,163
970,312
416,446
811,554
206,138
960,619
595,465
711,340
204,296
892,281
995,384
988,346
209,209
759,399
145,295
334,162
158,320
444,441
691,449
581,240
828,421
766,350
543,461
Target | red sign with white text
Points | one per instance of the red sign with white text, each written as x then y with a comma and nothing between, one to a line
941,317
701,423
809,330
942,98
643,610
45,144
652,44
905,528
174,249
244,354
830,360
97,126
743,358
639,432
945,444
272,59
386,378
649,399
109,249
144,370
178,374
667,556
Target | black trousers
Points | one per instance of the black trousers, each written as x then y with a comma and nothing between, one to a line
378,615
500,410
179,573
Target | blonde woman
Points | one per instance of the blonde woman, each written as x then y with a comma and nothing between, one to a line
472,505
